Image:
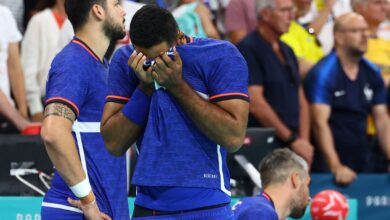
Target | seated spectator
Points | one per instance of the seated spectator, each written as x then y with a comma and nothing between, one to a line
11,74
240,19
39,46
343,88
285,180
194,19
321,19
302,39
277,98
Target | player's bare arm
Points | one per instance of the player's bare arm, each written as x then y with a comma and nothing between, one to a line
118,132
61,148
61,110
224,122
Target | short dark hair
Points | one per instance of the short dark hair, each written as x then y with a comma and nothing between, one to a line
277,166
78,10
152,25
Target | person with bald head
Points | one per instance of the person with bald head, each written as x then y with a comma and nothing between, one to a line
343,88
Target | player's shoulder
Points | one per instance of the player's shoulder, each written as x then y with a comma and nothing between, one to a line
213,47
71,60
122,53
5,11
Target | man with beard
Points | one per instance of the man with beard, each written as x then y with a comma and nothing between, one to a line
285,179
89,182
343,88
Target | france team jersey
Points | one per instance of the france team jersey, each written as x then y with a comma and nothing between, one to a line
175,156
258,207
78,79
351,101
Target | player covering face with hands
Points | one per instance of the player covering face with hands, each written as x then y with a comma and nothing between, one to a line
185,111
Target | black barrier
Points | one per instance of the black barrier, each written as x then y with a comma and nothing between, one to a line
19,152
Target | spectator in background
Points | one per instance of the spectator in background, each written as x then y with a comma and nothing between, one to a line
277,97
39,46
240,19
285,178
17,9
195,20
302,39
321,19
11,74
343,88
374,12
384,27
11,115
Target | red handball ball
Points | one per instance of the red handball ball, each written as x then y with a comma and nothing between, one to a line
329,205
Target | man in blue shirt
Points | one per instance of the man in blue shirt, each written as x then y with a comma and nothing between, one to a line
285,179
277,97
185,111
343,88
89,183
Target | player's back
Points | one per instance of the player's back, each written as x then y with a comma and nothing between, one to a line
254,208
78,79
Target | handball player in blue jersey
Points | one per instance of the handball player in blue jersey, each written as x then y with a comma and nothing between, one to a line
89,183
285,180
186,111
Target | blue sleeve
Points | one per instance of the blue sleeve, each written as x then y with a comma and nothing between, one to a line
122,81
227,76
253,65
317,87
380,93
67,84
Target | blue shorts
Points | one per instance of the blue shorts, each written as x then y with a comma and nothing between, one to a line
48,213
222,213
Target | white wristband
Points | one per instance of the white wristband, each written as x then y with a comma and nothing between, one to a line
82,188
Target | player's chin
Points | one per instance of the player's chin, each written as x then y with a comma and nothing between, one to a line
298,212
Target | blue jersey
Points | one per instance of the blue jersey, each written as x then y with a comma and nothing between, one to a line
78,79
175,156
350,100
258,207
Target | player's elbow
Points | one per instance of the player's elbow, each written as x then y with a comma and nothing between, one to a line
49,136
114,149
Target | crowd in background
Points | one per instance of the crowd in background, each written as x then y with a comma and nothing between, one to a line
295,51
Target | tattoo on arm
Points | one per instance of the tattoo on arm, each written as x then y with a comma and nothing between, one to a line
60,110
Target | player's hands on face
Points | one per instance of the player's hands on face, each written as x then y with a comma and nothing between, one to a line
168,72
91,210
303,148
136,62
343,175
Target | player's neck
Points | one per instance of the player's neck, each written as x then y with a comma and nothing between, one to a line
95,40
280,202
